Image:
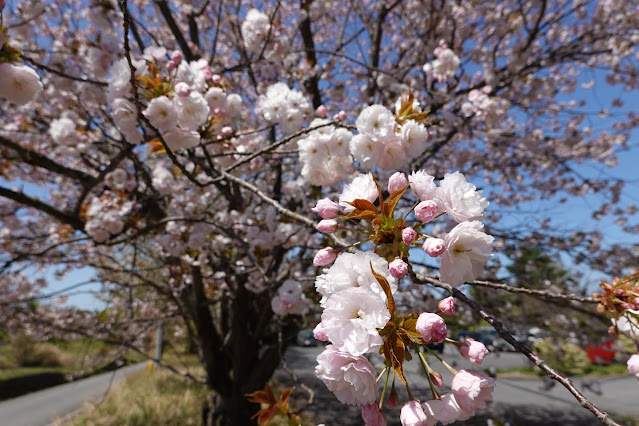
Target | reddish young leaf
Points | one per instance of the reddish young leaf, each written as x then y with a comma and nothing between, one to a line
360,204
387,290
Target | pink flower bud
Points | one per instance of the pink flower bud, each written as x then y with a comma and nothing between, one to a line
176,57
216,79
327,226
426,210
341,115
372,416
319,333
409,235
321,111
619,292
182,89
434,247
171,65
633,365
473,351
447,305
227,131
437,379
432,327
206,72
398,268
325,256
326,208
397,181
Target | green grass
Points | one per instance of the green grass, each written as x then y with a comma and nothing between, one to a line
159,398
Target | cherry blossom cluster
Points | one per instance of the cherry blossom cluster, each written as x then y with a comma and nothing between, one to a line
463,251
106,216
386,140
285,106
444,66
290,299
489,108
359,314
183,100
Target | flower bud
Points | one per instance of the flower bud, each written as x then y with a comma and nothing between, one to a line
171,65
216,79
397,181
633,365
182,89
325,256
321,111
426,210
437,379
432,327
176,57
341,115
397,268
473,351
434,247
393,397
326,208
447,305
409,235
327,226
227,131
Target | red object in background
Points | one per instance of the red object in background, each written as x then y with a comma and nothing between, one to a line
601,354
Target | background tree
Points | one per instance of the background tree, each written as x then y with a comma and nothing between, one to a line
97,172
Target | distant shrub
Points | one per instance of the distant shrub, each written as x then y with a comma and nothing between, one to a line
28,353
566,358
6,363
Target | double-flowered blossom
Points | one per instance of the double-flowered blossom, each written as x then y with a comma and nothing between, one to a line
370,412
362,187
467,251
19,83
255,30
432,327
460,199
351,318
285,106
412,414
353,270
446,410
350,377
472,390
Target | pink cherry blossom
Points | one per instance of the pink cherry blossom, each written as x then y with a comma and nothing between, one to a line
326,208
409,235
473,351
325,256
351,378
434,247
432,327
467,251
447,305
426,210
472,390
398,268
396,181
372,416
327,226
412,414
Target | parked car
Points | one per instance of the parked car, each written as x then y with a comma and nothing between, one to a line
600,349
306,338
437,347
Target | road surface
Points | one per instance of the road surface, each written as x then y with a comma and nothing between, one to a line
517,401
41,408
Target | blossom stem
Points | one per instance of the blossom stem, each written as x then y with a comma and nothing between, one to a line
427,370
381,399
411,209
451,369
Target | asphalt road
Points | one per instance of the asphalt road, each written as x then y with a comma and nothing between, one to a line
517,401
41,408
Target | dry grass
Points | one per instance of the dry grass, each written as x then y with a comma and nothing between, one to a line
162,398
